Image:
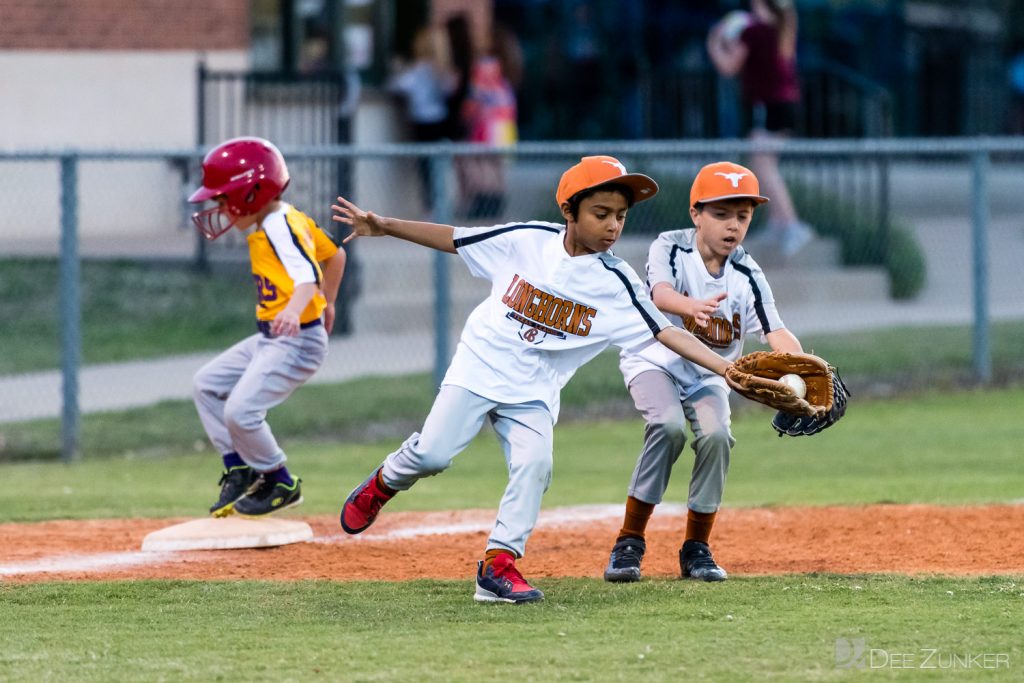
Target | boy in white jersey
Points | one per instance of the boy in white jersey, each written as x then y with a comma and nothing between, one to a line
704,281
558,298
294,315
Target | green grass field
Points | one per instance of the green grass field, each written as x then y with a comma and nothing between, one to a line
783,628
938,448
129,310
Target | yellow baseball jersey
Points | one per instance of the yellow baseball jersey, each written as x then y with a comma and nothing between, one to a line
286,251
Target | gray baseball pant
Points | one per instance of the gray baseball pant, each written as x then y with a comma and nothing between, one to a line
525,432
707,411
234,391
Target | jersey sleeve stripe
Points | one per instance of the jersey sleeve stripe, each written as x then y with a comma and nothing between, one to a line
298,245
758,304
655,329
672,258
480,237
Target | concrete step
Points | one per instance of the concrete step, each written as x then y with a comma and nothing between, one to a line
804,286
819,252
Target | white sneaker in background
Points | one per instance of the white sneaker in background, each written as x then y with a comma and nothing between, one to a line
795,237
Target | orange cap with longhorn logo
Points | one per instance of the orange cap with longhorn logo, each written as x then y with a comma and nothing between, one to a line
591,172
725,180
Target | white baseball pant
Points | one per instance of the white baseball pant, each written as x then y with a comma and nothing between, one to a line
657,398
525,432
234,391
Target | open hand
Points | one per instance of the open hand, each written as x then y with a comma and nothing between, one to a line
364,223
703,309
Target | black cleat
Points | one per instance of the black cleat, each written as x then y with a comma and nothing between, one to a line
624,563
234,483
267,495
696,562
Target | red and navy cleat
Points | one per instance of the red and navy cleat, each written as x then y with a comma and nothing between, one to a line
502,582
363,504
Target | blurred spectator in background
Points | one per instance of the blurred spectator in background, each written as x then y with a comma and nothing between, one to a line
460,50
426,84
1016,75
760,46
586,80
489,118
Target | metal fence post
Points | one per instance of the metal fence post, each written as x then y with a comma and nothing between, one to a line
884,226
440,171
980,164
70,306
201,258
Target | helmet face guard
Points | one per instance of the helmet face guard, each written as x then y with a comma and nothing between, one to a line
214,222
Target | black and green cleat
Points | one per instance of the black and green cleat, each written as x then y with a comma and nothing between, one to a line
234,482
268,495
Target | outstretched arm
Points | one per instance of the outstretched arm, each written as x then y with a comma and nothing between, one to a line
692,349
369,224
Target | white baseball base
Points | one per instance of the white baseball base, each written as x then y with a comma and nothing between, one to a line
209,533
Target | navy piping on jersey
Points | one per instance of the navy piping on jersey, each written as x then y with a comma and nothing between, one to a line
758,305
274,249
632,296
473,239
672,256
295,241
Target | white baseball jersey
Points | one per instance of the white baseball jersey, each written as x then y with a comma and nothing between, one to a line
749,308
547,314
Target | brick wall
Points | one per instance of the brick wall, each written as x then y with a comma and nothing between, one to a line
124,24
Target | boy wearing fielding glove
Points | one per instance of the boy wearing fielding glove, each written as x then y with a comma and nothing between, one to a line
705,282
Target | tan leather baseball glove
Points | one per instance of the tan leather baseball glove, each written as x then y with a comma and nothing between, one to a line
755,376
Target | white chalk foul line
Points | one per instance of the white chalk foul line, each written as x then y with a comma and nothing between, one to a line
84,563
554,518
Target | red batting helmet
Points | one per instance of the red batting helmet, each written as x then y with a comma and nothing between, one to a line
248,172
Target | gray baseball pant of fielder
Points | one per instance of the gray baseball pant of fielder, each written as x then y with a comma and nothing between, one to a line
657,398
234,391
525,432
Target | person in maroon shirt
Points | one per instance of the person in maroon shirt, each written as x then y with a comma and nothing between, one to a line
760,47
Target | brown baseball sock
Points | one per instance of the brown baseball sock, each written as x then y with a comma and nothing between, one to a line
638,513
698,525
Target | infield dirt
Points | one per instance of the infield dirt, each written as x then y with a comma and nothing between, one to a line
903,539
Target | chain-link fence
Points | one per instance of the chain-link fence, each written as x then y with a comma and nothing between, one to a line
111,302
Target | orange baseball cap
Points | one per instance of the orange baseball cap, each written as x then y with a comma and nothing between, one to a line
601,170
725,180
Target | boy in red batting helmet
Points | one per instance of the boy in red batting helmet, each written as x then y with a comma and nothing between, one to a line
297,269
